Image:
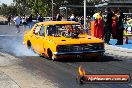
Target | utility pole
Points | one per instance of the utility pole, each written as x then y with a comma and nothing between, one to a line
84,14
52,9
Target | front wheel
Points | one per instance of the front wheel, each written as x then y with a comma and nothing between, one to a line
50,54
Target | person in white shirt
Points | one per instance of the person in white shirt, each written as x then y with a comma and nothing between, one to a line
17,22
72,18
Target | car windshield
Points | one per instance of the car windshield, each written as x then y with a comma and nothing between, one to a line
64,30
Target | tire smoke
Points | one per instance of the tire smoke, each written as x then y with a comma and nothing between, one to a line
14,45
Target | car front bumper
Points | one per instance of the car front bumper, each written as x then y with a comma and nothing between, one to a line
79,52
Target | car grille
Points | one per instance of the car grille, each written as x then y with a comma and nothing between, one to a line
82,47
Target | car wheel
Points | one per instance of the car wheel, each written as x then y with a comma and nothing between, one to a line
29,45
49,54
51,57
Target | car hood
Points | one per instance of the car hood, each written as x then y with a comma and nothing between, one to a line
81,40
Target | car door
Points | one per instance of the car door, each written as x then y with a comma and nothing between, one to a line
41,40
35,38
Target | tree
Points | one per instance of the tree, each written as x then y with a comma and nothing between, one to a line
22,6
40,7
7,10
36,7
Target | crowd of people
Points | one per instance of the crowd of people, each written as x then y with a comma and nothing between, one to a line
24,21
111,23
107,23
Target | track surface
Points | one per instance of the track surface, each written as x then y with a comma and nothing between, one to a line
59,74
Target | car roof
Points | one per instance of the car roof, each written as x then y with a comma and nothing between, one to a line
57,22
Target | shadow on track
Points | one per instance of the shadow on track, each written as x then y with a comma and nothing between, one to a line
104,58
99,59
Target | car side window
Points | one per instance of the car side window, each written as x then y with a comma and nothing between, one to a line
37,30
49,30
42,31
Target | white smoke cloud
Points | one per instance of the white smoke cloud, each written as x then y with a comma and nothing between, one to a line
21,50
14,45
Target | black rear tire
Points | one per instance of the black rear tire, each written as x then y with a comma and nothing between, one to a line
29,44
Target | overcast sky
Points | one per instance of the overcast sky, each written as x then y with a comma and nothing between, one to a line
6,1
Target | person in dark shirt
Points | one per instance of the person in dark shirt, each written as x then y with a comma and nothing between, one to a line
108,25
9,19
40,18
58,17
30,18
30,21
120,28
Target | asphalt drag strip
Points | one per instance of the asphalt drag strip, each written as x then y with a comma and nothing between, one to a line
13,75
64,72
31,71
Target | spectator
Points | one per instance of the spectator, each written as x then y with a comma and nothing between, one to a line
120,29
58,17
17,23
72,18
40,18
30,21
24,21
9,20
114,25
108,25
82,21
54,18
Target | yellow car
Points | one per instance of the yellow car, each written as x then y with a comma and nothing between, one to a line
62,39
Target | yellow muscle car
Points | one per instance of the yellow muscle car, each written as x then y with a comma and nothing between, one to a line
62,39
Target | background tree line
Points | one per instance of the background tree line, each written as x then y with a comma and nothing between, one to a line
35,7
